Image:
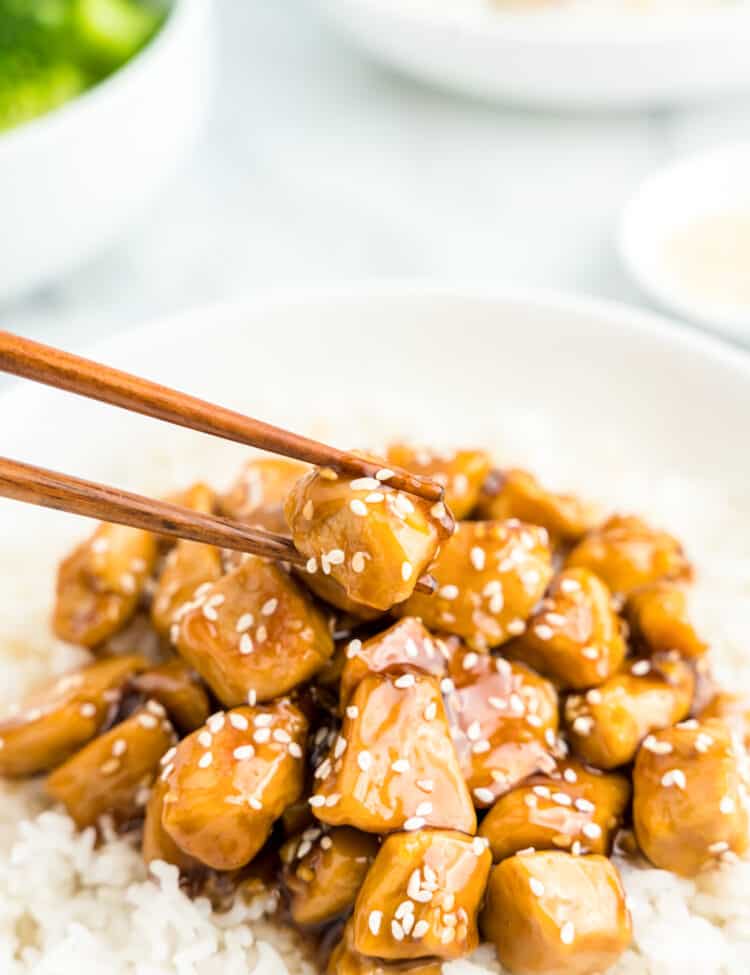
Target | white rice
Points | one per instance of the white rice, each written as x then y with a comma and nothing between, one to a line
67,908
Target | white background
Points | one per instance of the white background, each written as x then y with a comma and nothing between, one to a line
317,167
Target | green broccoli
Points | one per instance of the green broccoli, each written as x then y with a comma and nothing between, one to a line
51,50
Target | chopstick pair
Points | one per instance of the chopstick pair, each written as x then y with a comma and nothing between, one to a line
35,485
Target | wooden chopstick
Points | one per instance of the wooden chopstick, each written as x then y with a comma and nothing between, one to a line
53,367
49,489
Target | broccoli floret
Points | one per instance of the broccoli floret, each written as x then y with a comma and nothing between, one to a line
50,50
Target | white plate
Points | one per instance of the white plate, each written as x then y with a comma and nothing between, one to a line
552,58
709,184
74,179
443,364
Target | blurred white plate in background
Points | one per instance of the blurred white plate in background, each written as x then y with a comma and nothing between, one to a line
567,59
685,238
71,181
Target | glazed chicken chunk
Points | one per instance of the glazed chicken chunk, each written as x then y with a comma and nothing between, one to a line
504,722
659,620
393,765
517,494
156,843
178,688
573,808
257,496
324,870
187,567
552,913
372,540
690,803
421,896
574,637
62,716
255,630
112,775
461,472
231,780
490,576
100,583
345,960
406,647
607,724
626,554
734,711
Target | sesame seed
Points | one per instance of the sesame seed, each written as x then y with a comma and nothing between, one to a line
317,801
404,681
420,929
426,785
438,510
407,570
168,755
261,633
339,747
537,887
447,686
364,760
414,823
88,710
336,556
583,725
584,805
640,668
352,711
252,697
262,735
424,809
384,474
119,747
474,731
592,831
543,631
239,721
333,799
448,592
215,723
470,660
147,721
358,507
205,760
244,622
374,921
364,484
311,566
674,777
353,648
484,795
727,806
430,711
720,847
294,749
569,775
282,736
269,607
652,744
255,803
358,562
567,933
246,644
477,557
400,765
243,752
110,766
478,845
326,843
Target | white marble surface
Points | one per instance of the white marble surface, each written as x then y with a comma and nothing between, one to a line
318,167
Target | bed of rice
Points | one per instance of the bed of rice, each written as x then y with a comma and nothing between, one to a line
68,907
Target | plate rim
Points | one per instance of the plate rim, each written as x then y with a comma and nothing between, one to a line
626,318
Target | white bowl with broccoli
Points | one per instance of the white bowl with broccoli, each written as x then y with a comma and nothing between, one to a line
99,100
